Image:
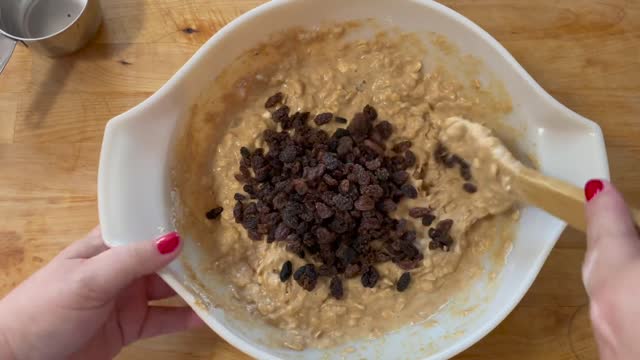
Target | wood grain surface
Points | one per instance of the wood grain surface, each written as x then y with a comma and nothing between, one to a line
586,53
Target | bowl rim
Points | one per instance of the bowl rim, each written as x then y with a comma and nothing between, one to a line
249,348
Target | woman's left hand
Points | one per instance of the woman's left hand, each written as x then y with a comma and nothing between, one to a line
91,301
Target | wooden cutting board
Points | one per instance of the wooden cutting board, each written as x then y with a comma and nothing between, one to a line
586,53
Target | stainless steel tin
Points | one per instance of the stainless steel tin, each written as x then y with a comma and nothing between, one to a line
50,27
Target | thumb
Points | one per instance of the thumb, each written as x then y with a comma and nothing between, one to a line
114,269
612,239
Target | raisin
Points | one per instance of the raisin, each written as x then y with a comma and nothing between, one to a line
470,188
388,206
342,202
345,145
340,120
245,152
359,127
409,158
285,271
323,211
400,177
364,203
273,100
335,287
427,220
445,225
238,212
239,197
403,282
306,276
288,154
465,172
370,113
418,212
369,277
402,146
409,191
373,164
322,119
214,213
384,129
281,115
373,191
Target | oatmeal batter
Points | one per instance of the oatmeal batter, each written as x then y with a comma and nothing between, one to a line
322,71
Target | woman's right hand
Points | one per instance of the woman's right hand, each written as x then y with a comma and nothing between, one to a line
611,272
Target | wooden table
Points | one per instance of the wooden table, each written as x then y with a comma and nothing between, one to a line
586,53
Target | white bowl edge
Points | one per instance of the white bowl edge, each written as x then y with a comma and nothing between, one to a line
169,90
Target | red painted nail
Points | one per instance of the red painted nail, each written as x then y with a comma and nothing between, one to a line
168,243
592,188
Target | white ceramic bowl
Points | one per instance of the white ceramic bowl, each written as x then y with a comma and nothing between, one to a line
134,200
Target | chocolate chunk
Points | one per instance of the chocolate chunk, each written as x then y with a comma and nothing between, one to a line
285,271
369,277
403,282
274,100
306,276
214,213
322,119
470,188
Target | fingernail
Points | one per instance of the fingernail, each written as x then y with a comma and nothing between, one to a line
168,243
592,188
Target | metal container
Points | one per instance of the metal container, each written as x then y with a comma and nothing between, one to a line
50,27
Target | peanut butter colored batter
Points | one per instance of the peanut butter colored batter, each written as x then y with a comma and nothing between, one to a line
323,71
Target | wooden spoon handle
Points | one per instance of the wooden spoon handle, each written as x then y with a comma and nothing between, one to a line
556,197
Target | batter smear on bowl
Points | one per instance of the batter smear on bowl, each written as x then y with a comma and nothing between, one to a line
313,182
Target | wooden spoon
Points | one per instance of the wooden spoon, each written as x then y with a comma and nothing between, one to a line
493,165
